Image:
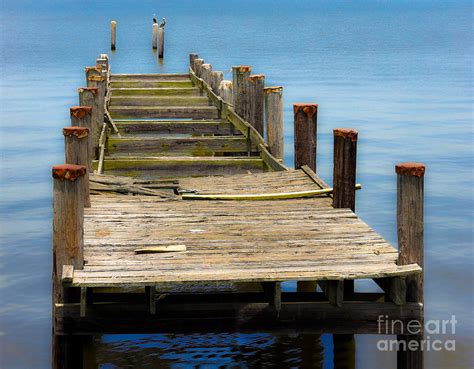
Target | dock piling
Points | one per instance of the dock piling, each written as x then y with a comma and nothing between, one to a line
216,78
76,150
344,173
154,36
198,67
82,116
113,34
410,196
161,42
240,90
88,96
256,102
225,91
305,125
192,58
206,70
274,120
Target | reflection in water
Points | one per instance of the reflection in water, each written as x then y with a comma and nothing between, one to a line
210,350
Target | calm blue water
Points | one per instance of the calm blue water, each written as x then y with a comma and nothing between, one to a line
400,72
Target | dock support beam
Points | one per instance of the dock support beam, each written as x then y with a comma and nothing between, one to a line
240,90
256,102
76,149
410,195
305,123
68,218
274,120
113,34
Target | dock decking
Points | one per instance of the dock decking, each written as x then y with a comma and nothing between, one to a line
176,166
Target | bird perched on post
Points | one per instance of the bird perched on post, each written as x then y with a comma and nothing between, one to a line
162,23
155,21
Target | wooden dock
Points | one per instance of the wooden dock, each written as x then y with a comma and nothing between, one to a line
174,214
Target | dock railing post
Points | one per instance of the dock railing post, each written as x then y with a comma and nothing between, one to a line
206,70
198,67
192,58
76,150
305,124
154,36
240,90
103,64
216,78
95,79
82,116
256,102
68,218
225,91
88,96
113,35
410,197
274,120
161,42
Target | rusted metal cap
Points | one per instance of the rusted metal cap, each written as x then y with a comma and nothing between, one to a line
94,90
256,77
243,68
96,78
309,109
79,132
69,172
95,68
273,89
346,133
80,111
410,169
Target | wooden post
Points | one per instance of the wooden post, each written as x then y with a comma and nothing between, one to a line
77,152
216,79
206,70
410,195
68,218
344,174
154,36
161,42
82,116
274,120
225,91
103,64
256,102
113,34
305,123
95,79
88,96
240,90
192,58
198,66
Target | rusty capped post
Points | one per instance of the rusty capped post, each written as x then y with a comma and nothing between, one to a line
225,91
113,35
198,66
305,123
240,90
192,58
95,79
274,120
76,150
256,102
161,42
154,36
82,116
410,198
344,173
88,96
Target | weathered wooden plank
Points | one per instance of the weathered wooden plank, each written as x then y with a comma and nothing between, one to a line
180,166
165,91
159,101
169,146
190,112
150,84
192,127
